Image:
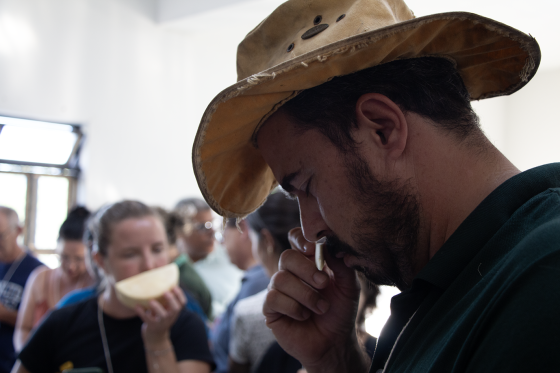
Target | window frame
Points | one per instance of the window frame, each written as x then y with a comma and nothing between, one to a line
33,170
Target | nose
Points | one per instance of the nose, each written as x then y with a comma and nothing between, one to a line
312,223
148,262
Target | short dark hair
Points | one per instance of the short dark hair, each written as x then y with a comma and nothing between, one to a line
429,86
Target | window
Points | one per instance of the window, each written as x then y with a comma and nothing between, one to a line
38,178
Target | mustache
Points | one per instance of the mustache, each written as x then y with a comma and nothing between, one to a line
335,245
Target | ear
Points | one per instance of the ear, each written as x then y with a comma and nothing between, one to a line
99,260
382,124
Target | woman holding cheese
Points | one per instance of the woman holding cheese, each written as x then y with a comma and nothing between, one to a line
104,334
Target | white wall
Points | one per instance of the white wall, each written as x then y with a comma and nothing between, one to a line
140,87
526,126
108,65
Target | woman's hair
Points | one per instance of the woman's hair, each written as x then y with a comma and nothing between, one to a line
108,216
74,226
278,215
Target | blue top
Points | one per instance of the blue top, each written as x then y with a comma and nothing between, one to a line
254,281
76,296
12,282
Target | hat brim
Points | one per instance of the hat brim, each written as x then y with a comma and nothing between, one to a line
493,59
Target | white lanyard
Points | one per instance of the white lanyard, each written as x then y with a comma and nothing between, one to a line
13,267
104,336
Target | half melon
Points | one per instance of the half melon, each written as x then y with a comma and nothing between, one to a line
145,286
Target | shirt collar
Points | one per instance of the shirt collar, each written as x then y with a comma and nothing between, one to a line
477,229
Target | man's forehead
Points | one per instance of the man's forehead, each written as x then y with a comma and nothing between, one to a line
280,145
278,124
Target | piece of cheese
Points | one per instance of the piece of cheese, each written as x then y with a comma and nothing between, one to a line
152,284
319,255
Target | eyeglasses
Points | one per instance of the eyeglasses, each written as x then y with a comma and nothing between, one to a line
202,227
189,227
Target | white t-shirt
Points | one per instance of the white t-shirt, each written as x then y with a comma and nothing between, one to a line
222,278
250,337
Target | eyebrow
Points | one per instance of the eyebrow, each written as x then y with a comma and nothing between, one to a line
286,183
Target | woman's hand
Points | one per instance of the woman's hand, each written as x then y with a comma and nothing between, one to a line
159,319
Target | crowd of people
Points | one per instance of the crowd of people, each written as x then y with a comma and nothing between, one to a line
362,112
69,318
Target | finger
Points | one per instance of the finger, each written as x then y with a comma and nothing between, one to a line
298,242
180,295
173,304
141,312
278,304
157,309
302,267
344,276
293,287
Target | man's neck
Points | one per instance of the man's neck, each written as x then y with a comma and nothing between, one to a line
248,263
13,255
455,180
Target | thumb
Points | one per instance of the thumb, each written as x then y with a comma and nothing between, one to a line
344,276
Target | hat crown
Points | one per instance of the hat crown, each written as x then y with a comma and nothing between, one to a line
279,37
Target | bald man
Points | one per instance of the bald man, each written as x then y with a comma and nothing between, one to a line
15,266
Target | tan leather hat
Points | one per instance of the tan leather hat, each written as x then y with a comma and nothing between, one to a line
305,43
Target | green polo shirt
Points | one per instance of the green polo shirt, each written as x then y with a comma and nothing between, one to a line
489,299
191,281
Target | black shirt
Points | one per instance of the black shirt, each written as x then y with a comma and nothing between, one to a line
489,299
70,338
276,360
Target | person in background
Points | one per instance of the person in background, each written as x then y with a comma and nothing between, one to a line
46,287
16,264
195,239
255,279
269,227
199,299
276,360
103,333
98,285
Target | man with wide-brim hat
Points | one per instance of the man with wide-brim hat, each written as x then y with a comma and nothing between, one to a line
362,112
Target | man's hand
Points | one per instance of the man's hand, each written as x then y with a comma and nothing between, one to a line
7,316
312,313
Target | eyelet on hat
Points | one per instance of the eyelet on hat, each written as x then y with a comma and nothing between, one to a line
317,20
290,48
340,17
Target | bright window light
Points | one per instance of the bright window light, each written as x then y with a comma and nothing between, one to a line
36,142
52,208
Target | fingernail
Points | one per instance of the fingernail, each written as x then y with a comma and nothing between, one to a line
320,278
323,305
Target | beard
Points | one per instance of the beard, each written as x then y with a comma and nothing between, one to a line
385,229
